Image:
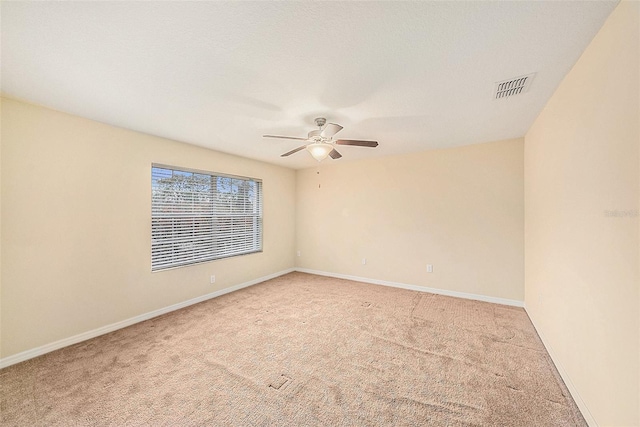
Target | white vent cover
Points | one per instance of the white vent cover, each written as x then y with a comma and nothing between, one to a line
511,87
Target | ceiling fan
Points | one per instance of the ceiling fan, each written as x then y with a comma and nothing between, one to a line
321,143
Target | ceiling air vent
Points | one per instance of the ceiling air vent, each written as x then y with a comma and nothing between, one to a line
511,87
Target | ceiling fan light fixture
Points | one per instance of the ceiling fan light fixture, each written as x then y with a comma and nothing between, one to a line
319,151
320,142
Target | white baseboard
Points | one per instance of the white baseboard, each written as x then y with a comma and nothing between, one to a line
485,298
47,348
38,351
591,421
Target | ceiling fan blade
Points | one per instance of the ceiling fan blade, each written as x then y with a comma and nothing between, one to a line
357,143
284,137
295,150
334,154
330,129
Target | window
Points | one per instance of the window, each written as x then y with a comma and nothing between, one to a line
197,216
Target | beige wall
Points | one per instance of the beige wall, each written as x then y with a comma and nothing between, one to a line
460,209
581,266
76,233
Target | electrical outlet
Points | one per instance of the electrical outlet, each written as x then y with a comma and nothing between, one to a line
298,253
213,278
429,268
364,261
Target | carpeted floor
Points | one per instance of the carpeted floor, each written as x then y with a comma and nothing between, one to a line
301,350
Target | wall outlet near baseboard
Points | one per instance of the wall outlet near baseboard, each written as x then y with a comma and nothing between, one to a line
429,268
364,261
298,253
213,279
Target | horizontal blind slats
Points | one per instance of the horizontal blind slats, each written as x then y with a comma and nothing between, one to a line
198,217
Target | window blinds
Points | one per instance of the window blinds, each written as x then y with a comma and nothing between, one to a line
197,217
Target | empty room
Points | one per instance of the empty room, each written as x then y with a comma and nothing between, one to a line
390,213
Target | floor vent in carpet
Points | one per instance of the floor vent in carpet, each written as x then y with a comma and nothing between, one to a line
280,383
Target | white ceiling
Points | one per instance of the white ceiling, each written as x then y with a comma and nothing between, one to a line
412,75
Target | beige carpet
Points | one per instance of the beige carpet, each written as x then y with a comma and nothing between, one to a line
301,350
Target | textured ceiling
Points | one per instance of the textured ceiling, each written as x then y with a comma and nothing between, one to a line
412,75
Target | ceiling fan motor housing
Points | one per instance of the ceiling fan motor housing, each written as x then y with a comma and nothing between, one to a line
320,121
315,135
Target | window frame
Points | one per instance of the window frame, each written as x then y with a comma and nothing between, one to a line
214,175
